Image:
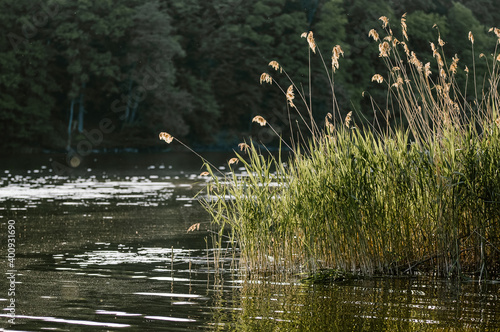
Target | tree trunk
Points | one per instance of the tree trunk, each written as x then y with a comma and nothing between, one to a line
81,111
134,111
70,122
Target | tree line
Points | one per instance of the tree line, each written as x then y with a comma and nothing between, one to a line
116,73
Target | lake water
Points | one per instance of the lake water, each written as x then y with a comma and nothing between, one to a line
106,248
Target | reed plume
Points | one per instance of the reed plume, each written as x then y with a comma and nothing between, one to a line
166,137
336,53
275,65
260,120
310,40
290,96
244,147
378,78
265,77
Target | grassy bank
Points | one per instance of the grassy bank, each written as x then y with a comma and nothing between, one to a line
416,189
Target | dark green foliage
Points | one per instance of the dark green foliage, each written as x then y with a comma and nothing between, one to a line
207,57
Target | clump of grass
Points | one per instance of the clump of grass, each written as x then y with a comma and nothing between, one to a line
421,193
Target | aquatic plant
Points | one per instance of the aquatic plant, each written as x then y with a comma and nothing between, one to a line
418,189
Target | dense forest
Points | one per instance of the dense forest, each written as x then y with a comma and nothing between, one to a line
113,74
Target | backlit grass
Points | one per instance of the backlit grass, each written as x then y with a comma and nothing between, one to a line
416,190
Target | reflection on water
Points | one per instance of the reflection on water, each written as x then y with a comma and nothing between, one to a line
388,304
106,248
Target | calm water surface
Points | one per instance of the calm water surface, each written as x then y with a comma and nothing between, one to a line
105,248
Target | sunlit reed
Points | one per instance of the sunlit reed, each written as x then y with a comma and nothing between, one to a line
417,191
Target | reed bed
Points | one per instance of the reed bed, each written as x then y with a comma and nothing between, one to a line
417,190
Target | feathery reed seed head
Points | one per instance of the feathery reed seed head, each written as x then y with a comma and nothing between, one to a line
398,83
440,61
453,66
403,26
336,53
433,48
442,73
373,33
438,57
260,120
310,40
233,161
275,65
384,49
496,31
378,78
265,77
427,69
415,61
348,119
440,41
328,124
244,146
385,21
204,173
166,137
290,96
405,47
471,37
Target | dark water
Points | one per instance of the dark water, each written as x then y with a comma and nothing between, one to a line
106,247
